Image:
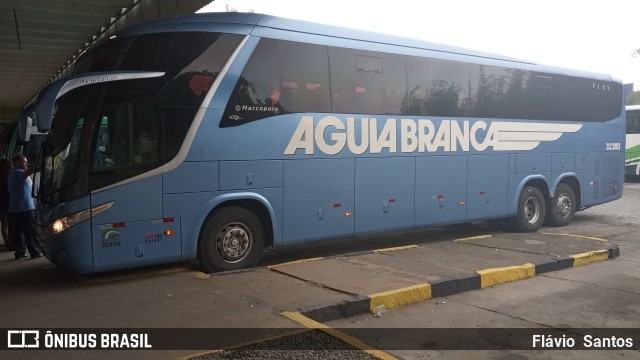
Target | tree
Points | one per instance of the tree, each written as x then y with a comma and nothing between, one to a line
232,9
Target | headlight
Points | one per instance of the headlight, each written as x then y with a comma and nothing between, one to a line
68,221
58,226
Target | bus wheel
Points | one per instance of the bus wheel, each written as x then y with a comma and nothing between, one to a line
233,238
561,207
531,210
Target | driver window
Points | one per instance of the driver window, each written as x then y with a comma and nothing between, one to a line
127,138
145,149
114,144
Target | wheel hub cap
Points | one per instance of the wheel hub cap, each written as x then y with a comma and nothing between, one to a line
563,205
234,242
532,210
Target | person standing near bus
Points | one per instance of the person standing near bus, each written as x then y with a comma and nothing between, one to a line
22,210
5,168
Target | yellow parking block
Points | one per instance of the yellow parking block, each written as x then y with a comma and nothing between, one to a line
590,257
405,296
473,238
495,276
396,248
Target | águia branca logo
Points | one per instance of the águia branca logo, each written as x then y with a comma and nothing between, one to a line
331,135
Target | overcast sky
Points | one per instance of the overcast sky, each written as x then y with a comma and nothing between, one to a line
593,35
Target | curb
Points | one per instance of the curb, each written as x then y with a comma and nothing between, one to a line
472,281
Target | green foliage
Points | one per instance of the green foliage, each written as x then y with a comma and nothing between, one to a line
633,98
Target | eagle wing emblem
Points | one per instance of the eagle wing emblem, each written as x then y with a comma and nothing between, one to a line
513,136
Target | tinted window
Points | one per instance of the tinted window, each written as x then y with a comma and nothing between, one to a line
437,87
175,124
104,56
609,98
128,138
165,126
143,123
633,122
284,77
544,96
497,92
581,100
365,82
191,61
62,168
280,77
194,65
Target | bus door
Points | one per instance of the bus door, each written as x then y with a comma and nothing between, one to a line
127,148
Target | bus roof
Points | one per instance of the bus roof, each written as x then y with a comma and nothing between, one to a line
253,21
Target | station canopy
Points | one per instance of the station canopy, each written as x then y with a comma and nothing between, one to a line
40,38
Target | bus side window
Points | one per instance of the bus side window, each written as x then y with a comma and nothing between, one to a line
280,77
367,82
581,100
633,125
544,96
496,92
437,87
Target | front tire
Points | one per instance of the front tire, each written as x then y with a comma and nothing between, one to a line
562,207
232,238
531,210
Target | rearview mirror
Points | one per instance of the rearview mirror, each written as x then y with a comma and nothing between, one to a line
24,123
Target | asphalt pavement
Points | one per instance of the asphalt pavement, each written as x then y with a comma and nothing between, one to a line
296,287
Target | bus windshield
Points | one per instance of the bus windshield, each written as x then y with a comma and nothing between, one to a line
60,170
113,118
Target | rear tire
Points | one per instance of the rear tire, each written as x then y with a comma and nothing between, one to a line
562,207
531,211
232,238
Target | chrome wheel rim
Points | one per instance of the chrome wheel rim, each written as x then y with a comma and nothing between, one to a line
234,242
563,205
532,210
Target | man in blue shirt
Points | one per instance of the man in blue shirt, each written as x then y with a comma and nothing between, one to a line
22,210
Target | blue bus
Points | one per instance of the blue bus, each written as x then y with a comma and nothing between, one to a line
213,136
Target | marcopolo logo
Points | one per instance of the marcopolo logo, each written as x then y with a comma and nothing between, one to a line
330,135
274,109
